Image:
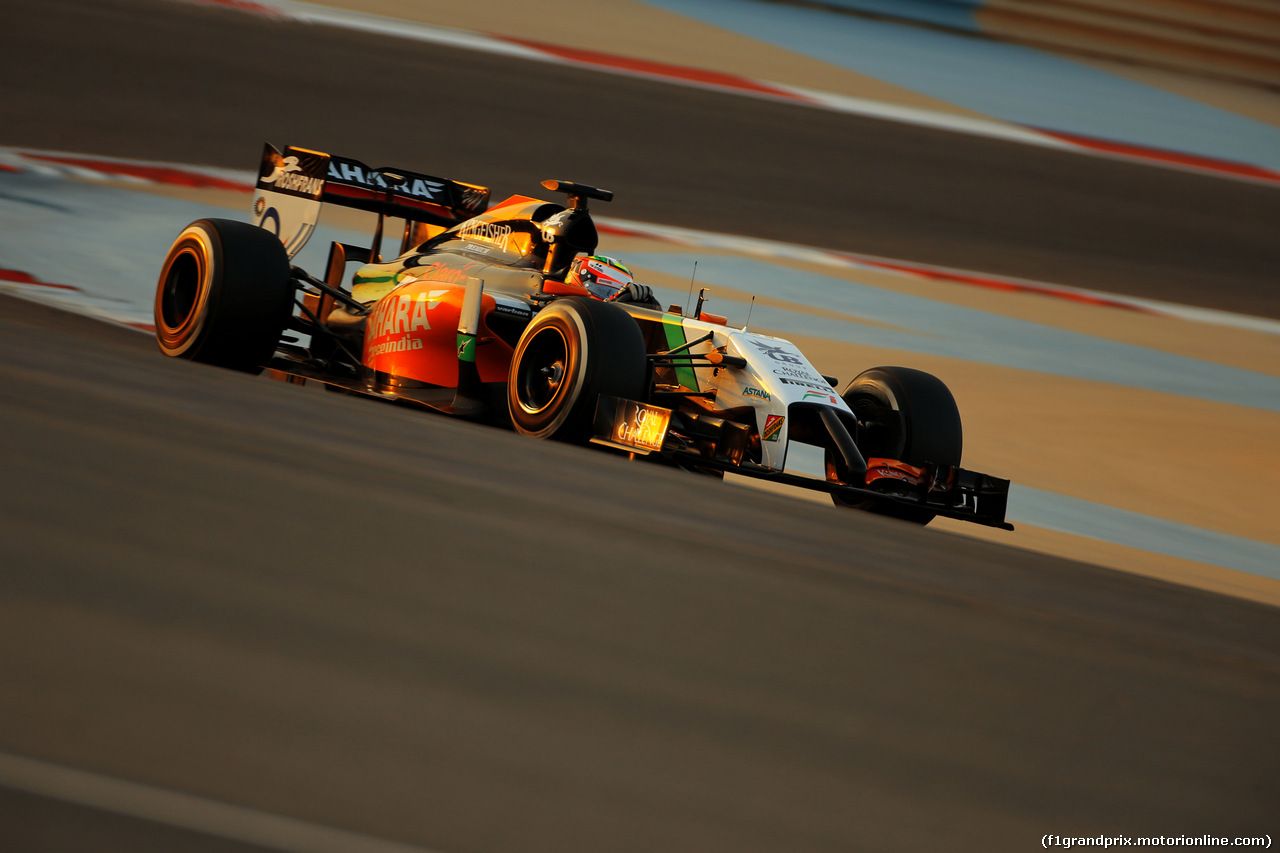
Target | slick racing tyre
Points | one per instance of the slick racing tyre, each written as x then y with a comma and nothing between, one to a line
907,415
574,350
224,296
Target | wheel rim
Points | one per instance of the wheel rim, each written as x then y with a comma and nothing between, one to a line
540,378
181,292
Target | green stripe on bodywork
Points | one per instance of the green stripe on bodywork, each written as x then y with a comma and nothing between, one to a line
372,279
466,347
674,331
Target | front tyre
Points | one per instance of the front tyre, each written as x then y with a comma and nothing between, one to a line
224,296
907,415
574,350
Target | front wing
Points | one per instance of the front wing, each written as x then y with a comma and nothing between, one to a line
945,490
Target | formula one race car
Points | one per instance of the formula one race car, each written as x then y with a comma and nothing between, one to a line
504,314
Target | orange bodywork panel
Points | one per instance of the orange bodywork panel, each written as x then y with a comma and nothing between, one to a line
412,333
893,469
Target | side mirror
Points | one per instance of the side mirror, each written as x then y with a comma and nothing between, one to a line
578,193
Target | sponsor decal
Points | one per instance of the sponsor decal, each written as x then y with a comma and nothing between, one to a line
466,347
557,222
630,423
756,392
434,271
357,174
799,374
291,180
779,353
476,248
288,175
513,310
772,426
296,172
886,469
400,344
403,314
884,472
803,383
642,426
498,233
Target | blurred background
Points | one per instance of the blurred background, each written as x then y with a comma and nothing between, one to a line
243,615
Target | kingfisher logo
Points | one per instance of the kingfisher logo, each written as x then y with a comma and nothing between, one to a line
490,232
772,427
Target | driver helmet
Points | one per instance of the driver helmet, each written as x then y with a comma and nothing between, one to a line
603,276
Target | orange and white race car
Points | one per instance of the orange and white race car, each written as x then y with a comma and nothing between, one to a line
506,314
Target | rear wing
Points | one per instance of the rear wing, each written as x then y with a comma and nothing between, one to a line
294,184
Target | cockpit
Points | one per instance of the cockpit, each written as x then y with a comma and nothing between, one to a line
509,234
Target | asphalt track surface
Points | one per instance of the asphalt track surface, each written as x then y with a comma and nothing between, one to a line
155,79
411,627
418,629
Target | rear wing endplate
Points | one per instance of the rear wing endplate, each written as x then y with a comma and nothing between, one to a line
294,184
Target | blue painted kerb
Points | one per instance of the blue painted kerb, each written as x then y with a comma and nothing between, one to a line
952,14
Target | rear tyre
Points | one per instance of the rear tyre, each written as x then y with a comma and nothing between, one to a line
224,296
908,415
574,350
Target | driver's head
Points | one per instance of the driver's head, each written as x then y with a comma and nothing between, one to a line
605,277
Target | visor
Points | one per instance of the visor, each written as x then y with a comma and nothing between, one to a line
601,290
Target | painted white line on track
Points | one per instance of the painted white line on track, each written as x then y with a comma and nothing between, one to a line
97,167
185,811
379,25
121,291
927,118
770,249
